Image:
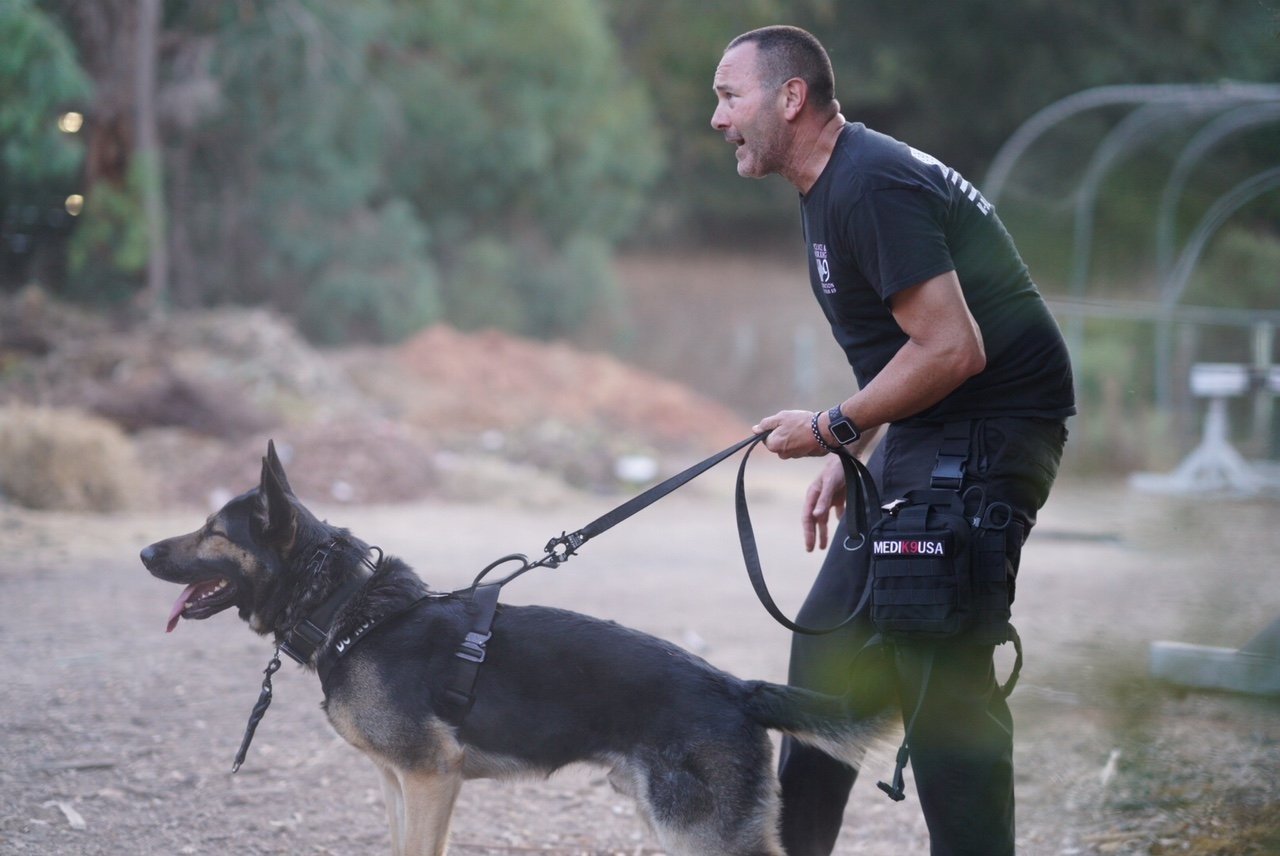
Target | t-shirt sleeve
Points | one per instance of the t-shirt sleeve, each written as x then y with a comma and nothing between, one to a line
898,239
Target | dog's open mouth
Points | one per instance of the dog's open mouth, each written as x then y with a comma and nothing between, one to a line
201,600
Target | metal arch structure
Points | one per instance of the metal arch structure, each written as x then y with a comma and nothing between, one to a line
1226,92
1179,278
1217,215
1236,121
1139,127
1247,104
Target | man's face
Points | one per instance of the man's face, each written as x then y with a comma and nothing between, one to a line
749,114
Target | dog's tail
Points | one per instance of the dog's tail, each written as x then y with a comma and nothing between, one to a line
830,723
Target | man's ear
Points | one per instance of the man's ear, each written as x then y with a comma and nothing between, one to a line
273,460
795,93
275,508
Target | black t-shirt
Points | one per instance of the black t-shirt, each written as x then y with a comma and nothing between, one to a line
883,217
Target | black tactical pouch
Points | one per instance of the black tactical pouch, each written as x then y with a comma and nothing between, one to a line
921,569
938,568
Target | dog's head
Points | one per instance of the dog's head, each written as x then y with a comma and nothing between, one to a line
251,554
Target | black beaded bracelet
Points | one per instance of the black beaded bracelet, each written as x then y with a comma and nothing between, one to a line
817,435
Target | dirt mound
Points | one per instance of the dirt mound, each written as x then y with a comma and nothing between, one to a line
200,392
491,380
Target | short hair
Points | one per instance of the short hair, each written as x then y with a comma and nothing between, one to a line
786,52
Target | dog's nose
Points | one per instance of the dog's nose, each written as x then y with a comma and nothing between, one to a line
148,554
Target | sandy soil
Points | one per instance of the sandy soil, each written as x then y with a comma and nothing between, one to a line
118,739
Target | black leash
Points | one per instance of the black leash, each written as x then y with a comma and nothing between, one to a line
259,709
568,544
861,497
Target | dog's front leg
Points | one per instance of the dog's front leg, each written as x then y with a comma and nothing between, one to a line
393,797
429,797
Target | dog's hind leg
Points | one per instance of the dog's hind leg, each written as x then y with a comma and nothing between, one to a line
712,799
429,797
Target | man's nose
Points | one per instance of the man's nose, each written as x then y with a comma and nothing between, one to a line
717,119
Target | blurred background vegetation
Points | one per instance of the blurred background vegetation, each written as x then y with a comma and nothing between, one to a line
369,169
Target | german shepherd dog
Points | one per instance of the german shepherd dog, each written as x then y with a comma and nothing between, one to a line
687,741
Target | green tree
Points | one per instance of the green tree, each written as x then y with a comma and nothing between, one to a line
278,190
39,80
527,147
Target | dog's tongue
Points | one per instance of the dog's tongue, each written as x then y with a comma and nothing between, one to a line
179,605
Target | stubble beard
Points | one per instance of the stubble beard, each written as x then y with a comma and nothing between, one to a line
767,153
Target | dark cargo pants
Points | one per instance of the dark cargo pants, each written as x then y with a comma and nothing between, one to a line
962,742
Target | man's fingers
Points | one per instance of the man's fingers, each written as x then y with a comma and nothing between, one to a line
817,506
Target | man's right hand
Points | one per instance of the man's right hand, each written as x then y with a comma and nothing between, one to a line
825,495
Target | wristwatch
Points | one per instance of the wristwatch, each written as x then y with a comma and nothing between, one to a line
842,427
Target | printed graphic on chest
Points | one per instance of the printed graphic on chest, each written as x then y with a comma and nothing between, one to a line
823,266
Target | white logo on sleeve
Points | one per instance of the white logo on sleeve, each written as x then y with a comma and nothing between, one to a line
955,178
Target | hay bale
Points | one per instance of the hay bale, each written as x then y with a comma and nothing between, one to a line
65,460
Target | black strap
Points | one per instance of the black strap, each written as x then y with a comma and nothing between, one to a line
604,522
308,634
1007,689
259,710
894,790
862,507
472,651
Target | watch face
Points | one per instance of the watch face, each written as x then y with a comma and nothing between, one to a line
843,432
841,428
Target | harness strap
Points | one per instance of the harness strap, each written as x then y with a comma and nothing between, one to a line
460,695
308,634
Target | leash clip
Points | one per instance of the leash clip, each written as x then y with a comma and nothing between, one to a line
560,548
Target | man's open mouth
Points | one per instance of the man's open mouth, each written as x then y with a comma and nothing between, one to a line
201,600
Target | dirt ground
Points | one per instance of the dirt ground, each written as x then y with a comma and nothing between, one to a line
118,739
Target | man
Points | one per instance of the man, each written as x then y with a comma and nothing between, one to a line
941,323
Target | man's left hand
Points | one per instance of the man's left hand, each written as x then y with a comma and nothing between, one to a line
792,435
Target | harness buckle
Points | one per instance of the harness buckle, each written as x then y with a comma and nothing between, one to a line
302,641
472,648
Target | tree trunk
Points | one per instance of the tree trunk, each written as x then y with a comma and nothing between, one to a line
149,158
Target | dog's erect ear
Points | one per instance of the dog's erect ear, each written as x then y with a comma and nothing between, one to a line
275,507
273,460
